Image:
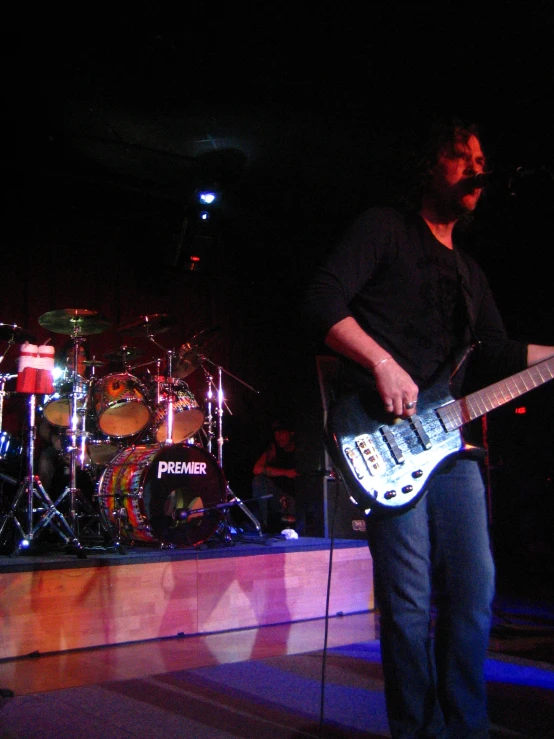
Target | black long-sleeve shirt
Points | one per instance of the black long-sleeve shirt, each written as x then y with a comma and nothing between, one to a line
405,290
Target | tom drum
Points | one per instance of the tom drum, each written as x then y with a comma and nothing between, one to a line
120,405
57,407
187,415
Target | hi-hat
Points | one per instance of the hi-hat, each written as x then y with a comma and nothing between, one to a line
125,354
155,323
11,332
93,363
78,321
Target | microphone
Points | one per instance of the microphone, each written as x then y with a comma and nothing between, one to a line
480,180
509,179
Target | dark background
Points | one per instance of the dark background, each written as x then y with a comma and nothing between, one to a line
300,119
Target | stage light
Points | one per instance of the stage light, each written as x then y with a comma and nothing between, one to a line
207,197
204,215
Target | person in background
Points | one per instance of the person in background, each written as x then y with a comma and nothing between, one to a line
275,476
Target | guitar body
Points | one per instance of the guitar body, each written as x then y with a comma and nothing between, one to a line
386,463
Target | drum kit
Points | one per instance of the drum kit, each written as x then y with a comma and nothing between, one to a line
145,444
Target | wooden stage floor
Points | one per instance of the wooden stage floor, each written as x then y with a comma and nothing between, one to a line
58,603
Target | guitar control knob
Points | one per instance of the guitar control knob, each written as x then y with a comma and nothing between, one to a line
417,473
390,494
407,488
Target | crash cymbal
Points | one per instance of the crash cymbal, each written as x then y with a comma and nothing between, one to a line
202,338
188,362
189,355
155,323
74,321
11,332
125,354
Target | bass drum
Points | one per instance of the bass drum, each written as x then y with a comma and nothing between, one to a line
149,494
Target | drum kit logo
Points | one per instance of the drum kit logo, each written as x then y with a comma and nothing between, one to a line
181,468
145,443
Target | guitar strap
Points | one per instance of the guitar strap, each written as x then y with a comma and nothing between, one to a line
469,308
465,289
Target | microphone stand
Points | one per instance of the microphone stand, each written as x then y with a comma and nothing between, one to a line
232,499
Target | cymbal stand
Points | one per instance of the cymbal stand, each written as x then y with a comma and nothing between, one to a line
77,436
3,393
170,398
3,380
74,434
210,436
170,391
32,490
221,402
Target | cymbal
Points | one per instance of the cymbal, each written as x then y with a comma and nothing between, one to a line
155,323
74,321
93,363
125,354
189,358
11,332
203,337
187,363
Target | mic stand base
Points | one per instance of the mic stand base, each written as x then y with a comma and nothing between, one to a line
244,508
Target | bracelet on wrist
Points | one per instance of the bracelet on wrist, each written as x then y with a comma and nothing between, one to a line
381,361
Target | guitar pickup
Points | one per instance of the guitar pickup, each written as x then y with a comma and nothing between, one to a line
355,462
393,446
417,426
369,453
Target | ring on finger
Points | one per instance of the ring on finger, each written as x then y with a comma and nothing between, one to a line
409,406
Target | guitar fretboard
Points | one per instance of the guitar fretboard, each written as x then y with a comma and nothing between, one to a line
456,413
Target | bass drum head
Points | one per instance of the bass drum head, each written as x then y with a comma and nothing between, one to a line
161,487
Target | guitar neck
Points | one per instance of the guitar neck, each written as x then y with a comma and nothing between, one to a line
456,413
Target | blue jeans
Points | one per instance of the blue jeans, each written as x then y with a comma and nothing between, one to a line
434,684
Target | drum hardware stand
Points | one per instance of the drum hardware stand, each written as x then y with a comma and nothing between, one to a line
76,434
118,514
3,393
31,489
170,391
221,402
3,380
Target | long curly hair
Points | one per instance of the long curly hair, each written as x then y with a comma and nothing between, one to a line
441,134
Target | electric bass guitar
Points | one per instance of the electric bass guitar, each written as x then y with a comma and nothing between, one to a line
386,463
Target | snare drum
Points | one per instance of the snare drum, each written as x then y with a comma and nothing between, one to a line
187,416
149,494
120,405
